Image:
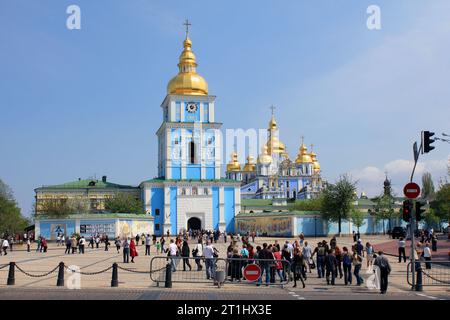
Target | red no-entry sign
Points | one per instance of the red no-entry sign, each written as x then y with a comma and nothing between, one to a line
252,272
411,190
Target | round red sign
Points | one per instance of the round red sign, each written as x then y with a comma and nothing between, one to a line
411,190
252,272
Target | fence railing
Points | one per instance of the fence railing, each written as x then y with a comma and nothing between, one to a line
430,273
201,270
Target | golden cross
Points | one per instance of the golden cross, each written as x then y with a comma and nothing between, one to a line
187,24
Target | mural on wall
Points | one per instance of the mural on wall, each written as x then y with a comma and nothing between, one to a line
125,228
90,228
57,229
271,226
141,227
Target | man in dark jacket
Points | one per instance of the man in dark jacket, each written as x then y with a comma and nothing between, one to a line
330,265
265,265
385,268
185,251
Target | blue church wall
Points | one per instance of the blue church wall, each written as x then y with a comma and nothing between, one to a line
176,172
173,210
215,213
193,171
50,229
191,116
251,187
210,173
157,202
310,226
229,208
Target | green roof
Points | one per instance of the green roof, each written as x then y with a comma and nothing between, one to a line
276,213
88,184
256,202
156,180
96,216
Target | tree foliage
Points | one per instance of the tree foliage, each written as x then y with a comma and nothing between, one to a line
427,186
308,205
11,219
384,209
357,217
61,208
441,203
337,200
124,203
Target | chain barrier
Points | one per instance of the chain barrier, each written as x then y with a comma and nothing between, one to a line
433,278
88,273
2,266
131,270
36,275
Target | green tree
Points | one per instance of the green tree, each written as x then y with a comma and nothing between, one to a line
124,203
441,203
384,210
308,205
357,217
11,219
427,186
337,200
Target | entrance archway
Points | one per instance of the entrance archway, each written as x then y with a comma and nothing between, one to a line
194,224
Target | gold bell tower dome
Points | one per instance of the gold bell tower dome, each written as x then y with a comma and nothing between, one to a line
187,81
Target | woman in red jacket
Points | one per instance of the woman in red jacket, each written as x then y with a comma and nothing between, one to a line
133,251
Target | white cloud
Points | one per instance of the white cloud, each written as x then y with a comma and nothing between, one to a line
370,179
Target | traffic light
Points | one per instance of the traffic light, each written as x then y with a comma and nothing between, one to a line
427,141
419,210
407,208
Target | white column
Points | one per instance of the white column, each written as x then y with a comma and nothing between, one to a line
167,224
183,153
182,111
237,200
168,160
217,154
222,224
173,111
147,200
118,229
211,112
77,225
201,112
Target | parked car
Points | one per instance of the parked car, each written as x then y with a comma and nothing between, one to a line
398,232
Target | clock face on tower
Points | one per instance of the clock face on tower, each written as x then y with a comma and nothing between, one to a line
191,107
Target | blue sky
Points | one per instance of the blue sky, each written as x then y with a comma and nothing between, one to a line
78,103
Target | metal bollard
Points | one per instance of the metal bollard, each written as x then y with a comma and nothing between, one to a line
168,283
115,276
60,281
11,273
419,277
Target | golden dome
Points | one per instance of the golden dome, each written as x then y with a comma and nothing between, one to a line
234,164
187,81
265,158
250,165
316,164
274,145
303,156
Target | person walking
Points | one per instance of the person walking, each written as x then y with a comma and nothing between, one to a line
427,255
307,253
118,244
330,266
209,253
28,245
73,244
44,245
162,241
434,241
320,260
173,253
5,246
126,250
265,254
369,252
279,263
147,245
347,265
137,239
298,263
401,250
68,245
385,269
235,266
133,250
81,245
197,253
38,247
185,252
97,241
357,263
107,243
338,255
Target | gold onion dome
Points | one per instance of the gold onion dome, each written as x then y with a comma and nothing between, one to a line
234,164
265,158
303,156
250,165
187,81
316,164
274,145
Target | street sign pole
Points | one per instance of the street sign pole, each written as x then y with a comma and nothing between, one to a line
413,259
